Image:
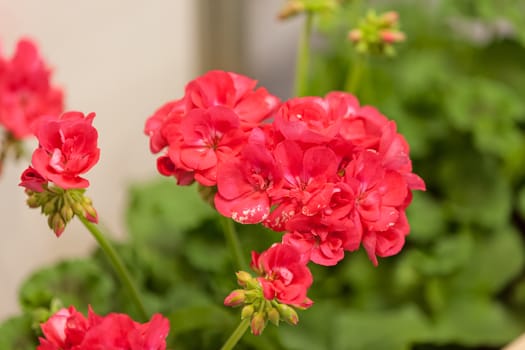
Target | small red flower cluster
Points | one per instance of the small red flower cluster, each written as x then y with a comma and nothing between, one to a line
26,93
68,329
332,174
283,275
67,148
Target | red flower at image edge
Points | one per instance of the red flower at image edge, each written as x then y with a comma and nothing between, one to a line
26,93
68,329
284,275
67,148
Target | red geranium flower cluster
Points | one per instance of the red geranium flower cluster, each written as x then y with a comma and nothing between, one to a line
26,93
332,174
68,329
67,148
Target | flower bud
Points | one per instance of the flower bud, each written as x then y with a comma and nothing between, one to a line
67,213
290,9
56,223
391,36
355,35
389,18
90,213
247,311
258,323
243,278
288,314
273,316
33,201
235,298
49,207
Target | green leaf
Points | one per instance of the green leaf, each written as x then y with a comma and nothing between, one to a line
426,218
475,321
495,260
159,209
75,282
396,329
16,333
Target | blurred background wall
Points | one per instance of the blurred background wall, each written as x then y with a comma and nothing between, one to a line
121,59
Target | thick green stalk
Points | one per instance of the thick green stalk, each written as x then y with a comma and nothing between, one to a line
118,265
237,334
303,57
228,228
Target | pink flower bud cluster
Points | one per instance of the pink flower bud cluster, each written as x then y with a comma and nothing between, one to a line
329,173
68,329
26,93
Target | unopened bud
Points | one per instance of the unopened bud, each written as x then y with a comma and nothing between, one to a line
78,209
56,223
49,206
390,18
235,298
390,36
33,201
288,314
292,8
355,35
91,214
273,316
243,278
258,323
247,311
67,213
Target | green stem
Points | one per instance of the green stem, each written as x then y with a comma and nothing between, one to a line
118,265
355,74
228,228
303,57
237,334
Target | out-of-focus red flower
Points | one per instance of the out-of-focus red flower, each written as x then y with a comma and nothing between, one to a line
67,148
283,274
70,330
26,93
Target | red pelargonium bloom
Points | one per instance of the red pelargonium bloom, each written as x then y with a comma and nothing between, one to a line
235,91
68,329
26,93
324,242
208,137
284,274
309,176
243,182
67,148
313,119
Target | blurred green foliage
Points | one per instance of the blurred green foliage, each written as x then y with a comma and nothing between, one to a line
456,92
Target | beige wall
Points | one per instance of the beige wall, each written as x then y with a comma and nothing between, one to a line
120,59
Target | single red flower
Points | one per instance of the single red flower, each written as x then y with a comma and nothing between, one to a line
283,274
26,93
235,91
67,148
243,182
